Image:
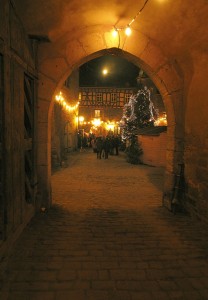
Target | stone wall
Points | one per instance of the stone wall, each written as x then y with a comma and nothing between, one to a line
63,136
196,142
18,60
64,124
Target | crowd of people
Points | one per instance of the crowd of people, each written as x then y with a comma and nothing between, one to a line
103,146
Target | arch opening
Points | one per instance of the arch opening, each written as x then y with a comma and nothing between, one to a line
171,96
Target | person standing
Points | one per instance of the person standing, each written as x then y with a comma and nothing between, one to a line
93,144
99,146
111,142
116,143
106,147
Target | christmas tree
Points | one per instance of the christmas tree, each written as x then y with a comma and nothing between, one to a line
138,113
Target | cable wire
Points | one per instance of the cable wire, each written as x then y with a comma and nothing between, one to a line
139,12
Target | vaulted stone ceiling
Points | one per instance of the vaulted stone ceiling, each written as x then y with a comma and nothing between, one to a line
177,27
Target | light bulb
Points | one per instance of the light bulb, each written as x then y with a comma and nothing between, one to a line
115,32
105,71
128,31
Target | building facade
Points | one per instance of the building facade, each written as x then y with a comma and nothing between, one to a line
100,108
105,105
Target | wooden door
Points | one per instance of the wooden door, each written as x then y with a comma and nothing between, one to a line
2,166
29,107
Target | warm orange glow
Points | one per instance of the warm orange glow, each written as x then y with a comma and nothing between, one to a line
105,71
96,122
59,97
128,31
61,100
110,127
161,121
81,119
115,33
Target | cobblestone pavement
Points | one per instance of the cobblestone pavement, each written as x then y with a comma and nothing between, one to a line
107,237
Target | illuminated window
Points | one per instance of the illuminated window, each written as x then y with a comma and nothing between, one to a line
99,98
127,97
97,113
113,97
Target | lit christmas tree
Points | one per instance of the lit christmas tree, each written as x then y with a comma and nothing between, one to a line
138,113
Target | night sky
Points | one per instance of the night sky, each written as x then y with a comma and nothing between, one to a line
122,73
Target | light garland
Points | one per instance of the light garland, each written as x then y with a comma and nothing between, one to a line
161,121
61,100
127,28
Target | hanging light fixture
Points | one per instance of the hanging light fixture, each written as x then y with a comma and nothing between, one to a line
128,31
115,32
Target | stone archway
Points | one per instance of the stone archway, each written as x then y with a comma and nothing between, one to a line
56,65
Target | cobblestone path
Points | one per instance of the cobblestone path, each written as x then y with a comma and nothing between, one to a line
107,237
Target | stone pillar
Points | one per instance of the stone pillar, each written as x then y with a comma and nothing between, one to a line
45,90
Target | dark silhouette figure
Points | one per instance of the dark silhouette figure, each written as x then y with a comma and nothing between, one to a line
106,147
111,150
99,146
116,143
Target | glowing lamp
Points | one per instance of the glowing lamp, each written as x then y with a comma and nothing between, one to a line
105,71
110,127
115,32
81,118
128,31
59,97
96,122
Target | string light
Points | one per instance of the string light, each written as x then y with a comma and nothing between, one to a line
61,100
115,32
127,28
128,31
139,12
